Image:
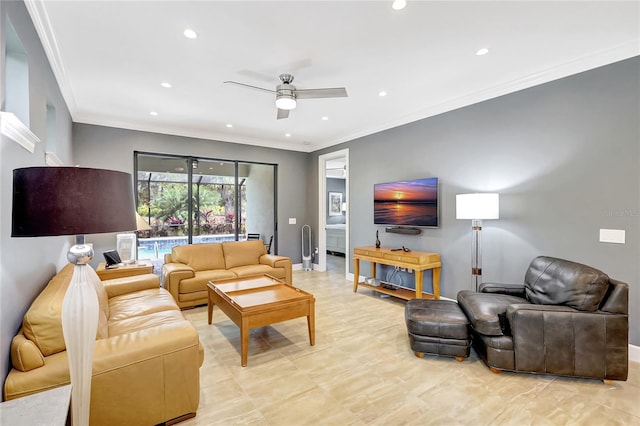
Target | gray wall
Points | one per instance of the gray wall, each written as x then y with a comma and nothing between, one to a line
564,157
112,148
26,264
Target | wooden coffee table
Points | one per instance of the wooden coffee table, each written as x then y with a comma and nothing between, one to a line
257,301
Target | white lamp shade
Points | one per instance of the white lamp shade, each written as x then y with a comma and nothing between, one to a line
478,206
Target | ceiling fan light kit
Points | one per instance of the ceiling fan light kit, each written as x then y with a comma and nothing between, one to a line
286,101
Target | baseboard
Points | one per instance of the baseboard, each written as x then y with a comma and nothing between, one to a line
634,353
296,266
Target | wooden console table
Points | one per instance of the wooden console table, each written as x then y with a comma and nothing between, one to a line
419,261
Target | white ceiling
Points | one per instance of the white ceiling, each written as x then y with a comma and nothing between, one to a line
110,57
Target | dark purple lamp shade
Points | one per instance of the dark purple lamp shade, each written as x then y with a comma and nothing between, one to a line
50,201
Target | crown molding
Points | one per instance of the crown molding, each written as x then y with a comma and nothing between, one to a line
191,133
578,65
16,130
38,12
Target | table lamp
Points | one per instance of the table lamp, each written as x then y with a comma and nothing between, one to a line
477,207
51,201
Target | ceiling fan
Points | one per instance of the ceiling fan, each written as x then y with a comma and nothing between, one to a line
287,94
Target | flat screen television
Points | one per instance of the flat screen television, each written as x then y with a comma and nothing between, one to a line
406,203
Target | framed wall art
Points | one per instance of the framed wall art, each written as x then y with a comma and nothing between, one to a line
335,203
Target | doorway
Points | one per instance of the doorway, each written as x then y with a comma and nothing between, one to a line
333,211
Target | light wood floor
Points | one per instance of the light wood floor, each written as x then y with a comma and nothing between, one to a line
361,371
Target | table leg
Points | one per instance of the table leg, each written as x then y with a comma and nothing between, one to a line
356,274
419,279
244,341
311,323
436,283
210,307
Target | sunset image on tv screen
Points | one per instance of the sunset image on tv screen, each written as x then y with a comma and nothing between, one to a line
411,203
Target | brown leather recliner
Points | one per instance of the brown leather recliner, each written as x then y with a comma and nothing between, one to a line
566,319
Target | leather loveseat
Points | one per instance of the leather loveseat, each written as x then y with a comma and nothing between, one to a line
566,319
188,268
147,356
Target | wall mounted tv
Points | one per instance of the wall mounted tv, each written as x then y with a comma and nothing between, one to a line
406,203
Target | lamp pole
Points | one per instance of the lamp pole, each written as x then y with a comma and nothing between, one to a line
477,207
476,253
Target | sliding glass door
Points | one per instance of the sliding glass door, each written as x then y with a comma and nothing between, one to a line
214,201
198,200
257,207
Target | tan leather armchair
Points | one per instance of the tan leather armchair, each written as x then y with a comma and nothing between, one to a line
146,358
188,268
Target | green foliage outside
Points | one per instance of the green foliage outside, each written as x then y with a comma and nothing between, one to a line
165,206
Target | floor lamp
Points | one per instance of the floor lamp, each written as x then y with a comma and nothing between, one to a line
50,201
477,207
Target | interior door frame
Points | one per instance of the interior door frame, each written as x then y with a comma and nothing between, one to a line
321,264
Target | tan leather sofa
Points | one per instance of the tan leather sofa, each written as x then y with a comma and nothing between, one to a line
188,268
146,360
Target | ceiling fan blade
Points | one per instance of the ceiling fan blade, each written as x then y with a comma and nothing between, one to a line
282,113
250,86
337,92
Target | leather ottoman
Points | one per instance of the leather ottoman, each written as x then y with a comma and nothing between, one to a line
437,327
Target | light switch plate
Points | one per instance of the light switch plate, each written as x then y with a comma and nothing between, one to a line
612,236
292,221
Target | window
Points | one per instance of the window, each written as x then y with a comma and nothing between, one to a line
199,200
16,76
14,117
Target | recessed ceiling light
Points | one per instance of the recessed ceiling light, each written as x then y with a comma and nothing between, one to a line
325,118
189,33
229,125
482,51
288,135
399,4
165,84
382,94
153,113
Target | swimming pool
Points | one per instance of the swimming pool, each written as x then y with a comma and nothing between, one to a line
156,248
